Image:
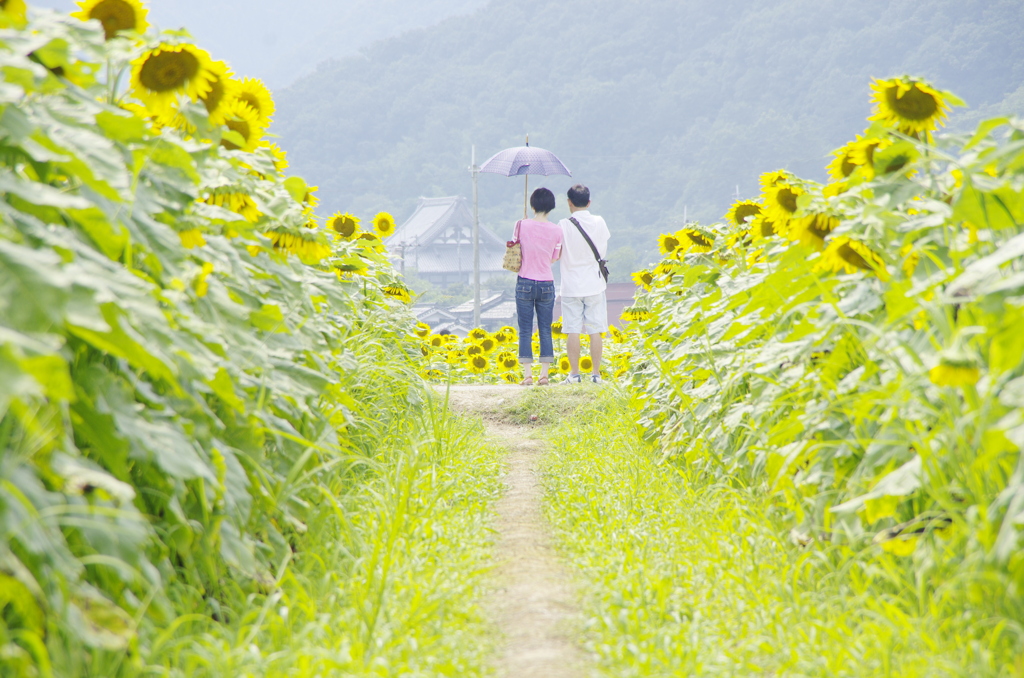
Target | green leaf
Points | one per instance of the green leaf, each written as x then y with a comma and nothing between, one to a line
269,318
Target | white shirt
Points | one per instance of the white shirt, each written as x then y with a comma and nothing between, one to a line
581,276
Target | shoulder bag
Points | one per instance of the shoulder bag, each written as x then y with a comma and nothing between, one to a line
602,264
513,260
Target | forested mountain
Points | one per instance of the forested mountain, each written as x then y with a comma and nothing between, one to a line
660,105
283,41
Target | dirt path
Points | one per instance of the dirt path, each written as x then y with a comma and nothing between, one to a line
534,599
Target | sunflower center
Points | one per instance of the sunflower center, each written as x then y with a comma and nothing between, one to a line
168,71
913,105
671,244
852,257
847,165
115,15
345,227
242,127
744,211
699,240
250,100
787,200
767,228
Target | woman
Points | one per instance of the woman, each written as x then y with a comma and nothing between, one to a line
541,243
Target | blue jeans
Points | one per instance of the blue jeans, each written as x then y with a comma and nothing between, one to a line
531,295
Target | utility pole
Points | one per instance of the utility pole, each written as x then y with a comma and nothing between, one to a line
476,239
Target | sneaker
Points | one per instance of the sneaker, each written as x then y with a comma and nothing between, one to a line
596,378
573,379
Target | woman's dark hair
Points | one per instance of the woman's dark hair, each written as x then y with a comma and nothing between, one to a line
542,200
579,195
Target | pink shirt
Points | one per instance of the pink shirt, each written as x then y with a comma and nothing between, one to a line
541,242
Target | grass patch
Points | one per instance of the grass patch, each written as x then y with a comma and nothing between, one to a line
389,577
683,578
550,405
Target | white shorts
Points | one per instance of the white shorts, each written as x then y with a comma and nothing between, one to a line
585,315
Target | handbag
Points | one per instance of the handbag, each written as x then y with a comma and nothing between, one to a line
513,260
602,264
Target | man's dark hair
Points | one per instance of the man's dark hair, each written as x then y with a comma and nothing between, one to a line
579,195
542,200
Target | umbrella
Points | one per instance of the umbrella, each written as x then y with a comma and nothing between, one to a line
524,161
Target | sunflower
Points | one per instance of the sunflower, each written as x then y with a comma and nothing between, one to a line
478,364
115,15
911,105
781,204
761,228
422,330
837,188
696,240
398,291
369,239
501,337
192,237
310,198
307,249
15,9
668,243
509,362
279,156
488,344
345,225
635,313
743,210
253,93
242,119
644,279
667,270
563,363
222,90
556,328
347,270
477,333
474,349
433,374
163,74
911,258
951,373
812,229
509,330
436,340
384,224
586,364
236,201
845,255
772,179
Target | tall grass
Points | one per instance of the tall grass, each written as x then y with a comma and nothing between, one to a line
683,575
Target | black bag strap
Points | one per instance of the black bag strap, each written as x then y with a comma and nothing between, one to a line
587,238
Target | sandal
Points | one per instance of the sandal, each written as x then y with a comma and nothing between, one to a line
527,382
543,381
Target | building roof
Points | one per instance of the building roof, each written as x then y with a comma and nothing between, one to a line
503,311
485,304
432,217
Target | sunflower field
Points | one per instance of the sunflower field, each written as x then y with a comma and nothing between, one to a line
484,357
195,371
856,349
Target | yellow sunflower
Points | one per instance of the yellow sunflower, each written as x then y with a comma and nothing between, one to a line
954,373
222,90
761,228
563,364
115,15
743,210
556,328
509,362
488,344
422,330
772,179
911,258
501,337
911,105
477,333
192,237
586,364
398,291
474,349
369,239
242,119
345,225
845,255
163,74
780,205
695,240
237,202
253,93
455,356
856,154
644,279
478,364
279,156
306,248
635,314
510,331
812,229
384,224
15,9
668,243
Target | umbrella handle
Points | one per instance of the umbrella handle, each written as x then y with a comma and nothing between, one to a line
526,192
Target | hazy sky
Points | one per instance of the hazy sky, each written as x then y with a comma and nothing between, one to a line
282,41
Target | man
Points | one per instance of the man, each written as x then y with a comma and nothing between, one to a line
584,307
